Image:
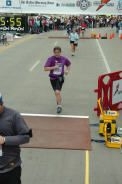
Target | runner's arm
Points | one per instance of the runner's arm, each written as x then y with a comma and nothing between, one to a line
67,70
50,68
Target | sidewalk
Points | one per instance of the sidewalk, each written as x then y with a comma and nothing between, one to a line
16,41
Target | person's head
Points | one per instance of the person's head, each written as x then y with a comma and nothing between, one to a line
1,104
73,30
57,51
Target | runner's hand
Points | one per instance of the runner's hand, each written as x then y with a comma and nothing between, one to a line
2,140
66,72
55,67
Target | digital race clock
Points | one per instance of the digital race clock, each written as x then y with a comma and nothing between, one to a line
14,23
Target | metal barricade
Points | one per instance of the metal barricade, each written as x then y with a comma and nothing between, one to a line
110,91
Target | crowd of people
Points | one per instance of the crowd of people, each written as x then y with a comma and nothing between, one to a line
40,24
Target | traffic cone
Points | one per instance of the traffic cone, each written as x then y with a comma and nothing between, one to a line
113,35
110,36
120,36
99,35
106,35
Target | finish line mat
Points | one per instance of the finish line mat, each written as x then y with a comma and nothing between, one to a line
65,37
59,133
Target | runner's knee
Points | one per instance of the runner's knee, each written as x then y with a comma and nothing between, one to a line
57,92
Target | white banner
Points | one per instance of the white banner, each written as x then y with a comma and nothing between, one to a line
117,91
71,7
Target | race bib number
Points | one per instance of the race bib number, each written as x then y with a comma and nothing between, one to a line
58,70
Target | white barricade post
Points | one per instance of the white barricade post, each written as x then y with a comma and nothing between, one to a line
117,92
120,33
10,37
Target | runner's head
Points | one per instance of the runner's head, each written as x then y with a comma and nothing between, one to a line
57,51
73,30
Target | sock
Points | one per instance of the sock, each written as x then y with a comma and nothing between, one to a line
59,105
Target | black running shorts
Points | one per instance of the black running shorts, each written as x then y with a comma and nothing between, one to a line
57,83
75,44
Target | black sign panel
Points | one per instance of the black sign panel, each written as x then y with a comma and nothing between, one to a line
14,23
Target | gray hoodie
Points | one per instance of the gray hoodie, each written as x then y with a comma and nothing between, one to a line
16,132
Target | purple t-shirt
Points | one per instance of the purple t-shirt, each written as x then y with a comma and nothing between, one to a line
60,62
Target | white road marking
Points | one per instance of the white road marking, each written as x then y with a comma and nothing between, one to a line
34,66
104,57
87,167
55,43
53,115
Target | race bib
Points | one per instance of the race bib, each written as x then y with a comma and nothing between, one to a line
58,70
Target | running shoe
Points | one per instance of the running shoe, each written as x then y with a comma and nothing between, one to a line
59,109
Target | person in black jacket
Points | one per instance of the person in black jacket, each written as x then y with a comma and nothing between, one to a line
13,132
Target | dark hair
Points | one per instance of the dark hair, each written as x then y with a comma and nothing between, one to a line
1,103
57,48
1,100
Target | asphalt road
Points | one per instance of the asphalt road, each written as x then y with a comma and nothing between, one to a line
25,87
